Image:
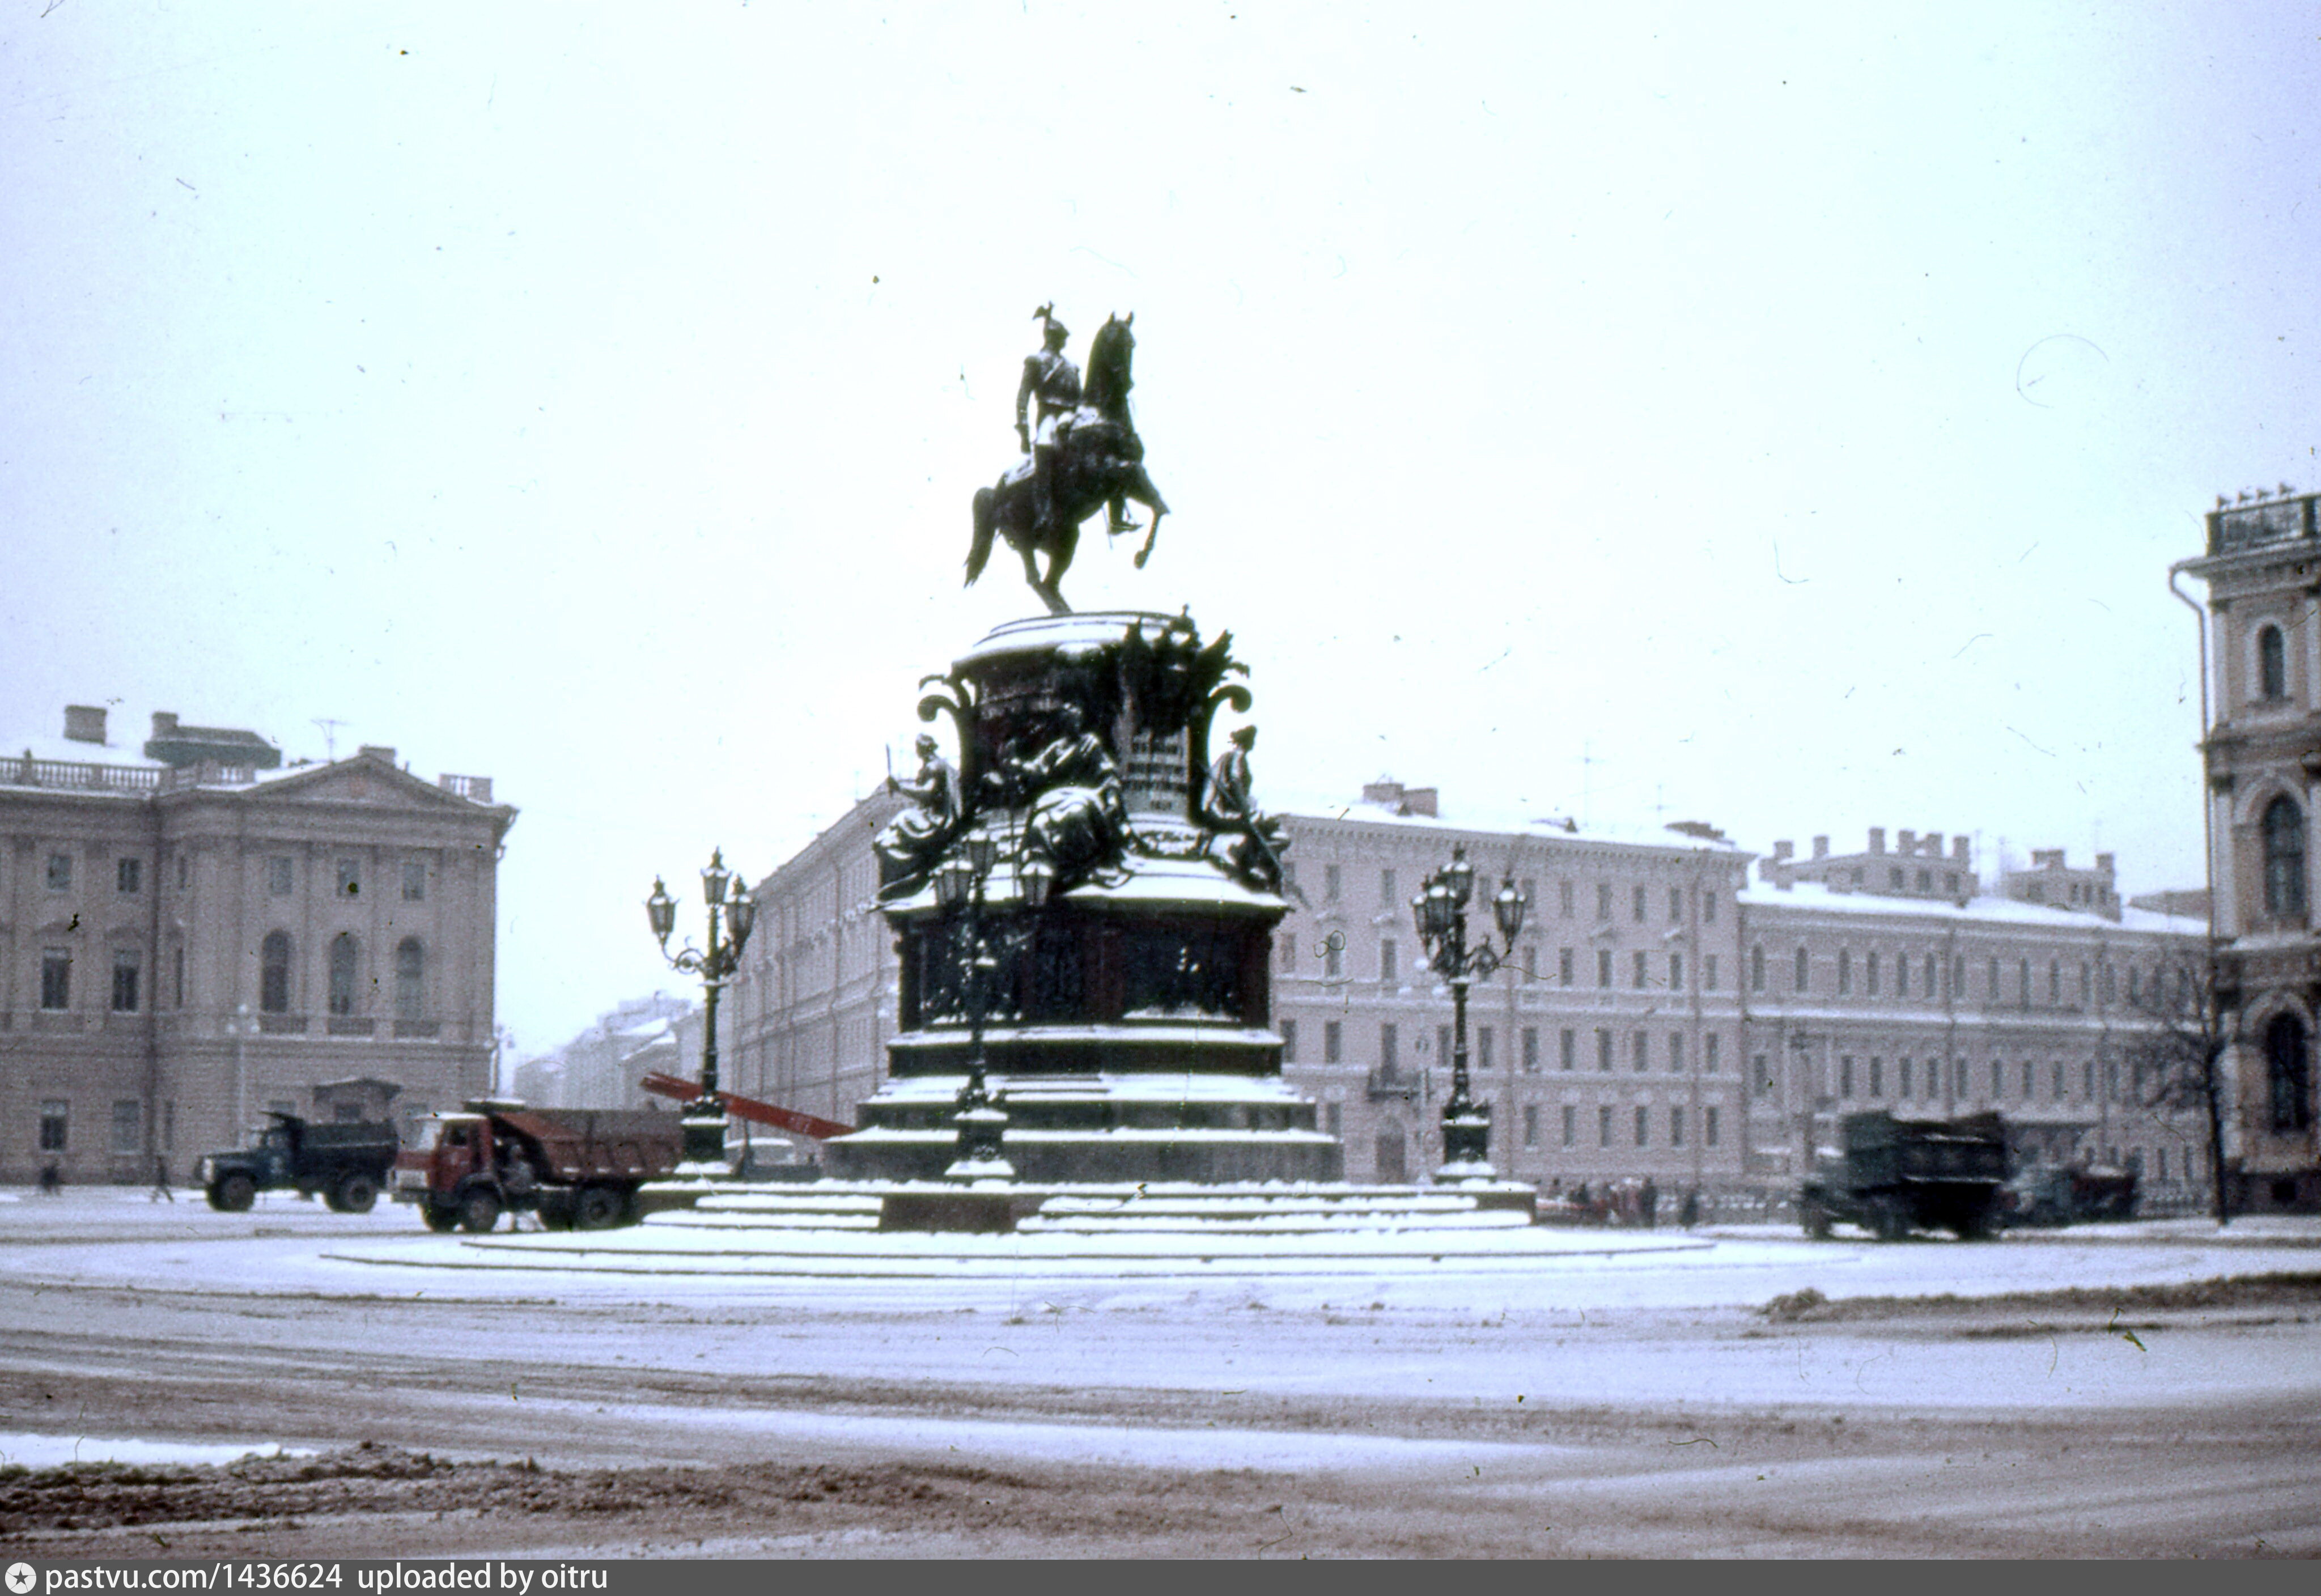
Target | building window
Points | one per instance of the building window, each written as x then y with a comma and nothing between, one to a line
2023,979
1531,961
1483,1048
1334,1040
59,872
274,973
185,871
1389,960
1333,956
1636,909
1603,967
1870,974
1708,907
1894,877
1530,1050
1568,1049
1764,1068
2054,980
2284,859
1640,1050
1386,892
56,979
1289,1029
1901,975
1604,1126
1708,1126
1603,1049
56,1124
1997,1081
350,878
1845,1076
1676,1128
2030,1082
1564,960
129,875
1990,983
1927,989
1563,897
1844,972
1676,905
125,971
1643,1126
1802,970
414,881
1757,969
345,954
1389,1052
1902,1078
1708,1063
410,979
177,975
2289,1075
1531,1124
1571,1125
281,878
1333,1119
1709,972
128,1125
1640,973
1676,1052
1676,973
2272,663
1330,877
1877,1077
1288,955
1603,900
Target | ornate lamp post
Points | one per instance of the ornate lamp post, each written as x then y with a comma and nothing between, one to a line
1440,910
960,887
704,1117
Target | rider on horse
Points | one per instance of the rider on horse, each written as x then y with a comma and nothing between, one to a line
1051,380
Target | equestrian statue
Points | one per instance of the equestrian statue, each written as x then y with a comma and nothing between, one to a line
1080,453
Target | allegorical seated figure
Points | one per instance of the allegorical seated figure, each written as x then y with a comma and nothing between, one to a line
1254,855
1078,821
911,845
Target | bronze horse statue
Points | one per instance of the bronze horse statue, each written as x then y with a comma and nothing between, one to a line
1099,462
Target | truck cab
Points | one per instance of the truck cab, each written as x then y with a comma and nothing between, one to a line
453,1173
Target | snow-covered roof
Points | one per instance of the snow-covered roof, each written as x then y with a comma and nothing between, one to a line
1502,822
69,751
1817,897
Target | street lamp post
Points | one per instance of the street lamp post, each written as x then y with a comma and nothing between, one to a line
1441,911
961,883
730,920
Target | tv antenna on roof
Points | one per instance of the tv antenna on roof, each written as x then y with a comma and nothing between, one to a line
330,736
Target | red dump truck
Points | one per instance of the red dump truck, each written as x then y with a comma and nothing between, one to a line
578,1168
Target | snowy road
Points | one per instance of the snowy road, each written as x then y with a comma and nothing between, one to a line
1591,1405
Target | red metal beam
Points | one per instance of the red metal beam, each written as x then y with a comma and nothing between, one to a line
749,1108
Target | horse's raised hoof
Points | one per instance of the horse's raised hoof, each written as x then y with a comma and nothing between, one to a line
1142,555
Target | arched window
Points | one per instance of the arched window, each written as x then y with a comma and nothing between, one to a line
2284,859
274,973
2289,1075
2272,663
410,979
345,955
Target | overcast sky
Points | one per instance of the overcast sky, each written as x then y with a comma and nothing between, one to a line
1780,416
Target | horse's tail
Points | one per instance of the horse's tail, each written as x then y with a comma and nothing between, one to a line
986,522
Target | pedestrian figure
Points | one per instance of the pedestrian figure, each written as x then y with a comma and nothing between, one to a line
1648,1201
1689,1215
161,1191
52,1181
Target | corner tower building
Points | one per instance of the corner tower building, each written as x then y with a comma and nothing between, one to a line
2262,753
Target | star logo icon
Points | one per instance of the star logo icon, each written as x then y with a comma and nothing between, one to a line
21,1578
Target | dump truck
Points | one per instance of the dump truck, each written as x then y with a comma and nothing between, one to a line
578,1168
1893,1176
344,1163
2055,1195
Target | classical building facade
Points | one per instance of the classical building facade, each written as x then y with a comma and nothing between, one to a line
1868,997
184,946
2262,753
1662,1015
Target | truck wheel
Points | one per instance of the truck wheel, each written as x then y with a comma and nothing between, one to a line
440,1219
479,1212
555,1213
598,1207
1817,1222
355,1195
234,1194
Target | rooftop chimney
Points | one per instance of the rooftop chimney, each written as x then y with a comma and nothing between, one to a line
1877,839
1906,842
165,724
1958,850
1933,844
84,724
1418,800
1785,849
373,751
2104,862
1821,847
1382,791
